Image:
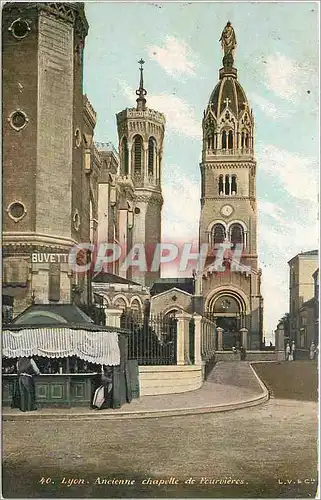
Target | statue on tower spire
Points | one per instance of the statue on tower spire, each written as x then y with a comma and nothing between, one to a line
228,43
141,92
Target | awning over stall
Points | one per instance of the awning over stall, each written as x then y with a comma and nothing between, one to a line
99,347
58,331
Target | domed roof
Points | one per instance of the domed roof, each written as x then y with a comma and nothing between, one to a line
228,88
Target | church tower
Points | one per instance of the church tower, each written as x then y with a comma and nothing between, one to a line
231,292
45,201
141,136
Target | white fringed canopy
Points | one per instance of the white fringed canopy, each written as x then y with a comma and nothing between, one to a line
99,347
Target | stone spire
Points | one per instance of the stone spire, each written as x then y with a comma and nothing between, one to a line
141,92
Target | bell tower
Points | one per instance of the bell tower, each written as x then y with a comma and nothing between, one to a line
231,292
141,136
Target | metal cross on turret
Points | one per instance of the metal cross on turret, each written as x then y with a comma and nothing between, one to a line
227,102
141,92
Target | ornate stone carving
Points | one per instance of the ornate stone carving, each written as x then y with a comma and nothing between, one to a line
72,12
153,200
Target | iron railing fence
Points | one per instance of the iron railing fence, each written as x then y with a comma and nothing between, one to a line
192,341
152,339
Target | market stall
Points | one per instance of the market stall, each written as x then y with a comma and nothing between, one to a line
71,353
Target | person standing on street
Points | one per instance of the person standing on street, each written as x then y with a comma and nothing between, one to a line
293,350
312,350
287,351
24,396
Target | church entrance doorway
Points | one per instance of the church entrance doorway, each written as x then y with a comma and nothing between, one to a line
227,311
231,331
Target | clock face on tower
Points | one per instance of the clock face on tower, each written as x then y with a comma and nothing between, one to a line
227,210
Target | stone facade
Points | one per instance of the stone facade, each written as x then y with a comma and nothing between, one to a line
172,301
303,288
44,182
231,295
122,296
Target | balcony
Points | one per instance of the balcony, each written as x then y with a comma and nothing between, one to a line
230,152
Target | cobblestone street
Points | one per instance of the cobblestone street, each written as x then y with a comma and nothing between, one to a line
265,451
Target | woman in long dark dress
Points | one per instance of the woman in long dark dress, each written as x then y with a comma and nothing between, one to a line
24,396
102,398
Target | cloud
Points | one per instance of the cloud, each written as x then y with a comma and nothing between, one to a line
180,220
270,109
180,115
297,174
175,57
272,210
278,244
288,78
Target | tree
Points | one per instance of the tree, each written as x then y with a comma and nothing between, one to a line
285,320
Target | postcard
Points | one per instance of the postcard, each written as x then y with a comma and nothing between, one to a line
160,262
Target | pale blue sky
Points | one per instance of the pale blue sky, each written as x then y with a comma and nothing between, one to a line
277,62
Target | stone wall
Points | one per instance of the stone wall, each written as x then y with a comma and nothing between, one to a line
155,380
250,356
260,356
54,139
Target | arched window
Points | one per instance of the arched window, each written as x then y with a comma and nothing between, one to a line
242,140
138,154
151,155
221,185
218,234
120,304
234,185
227,184
247,140
125,156
236,234
171,314
224,140
226,304
230,140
